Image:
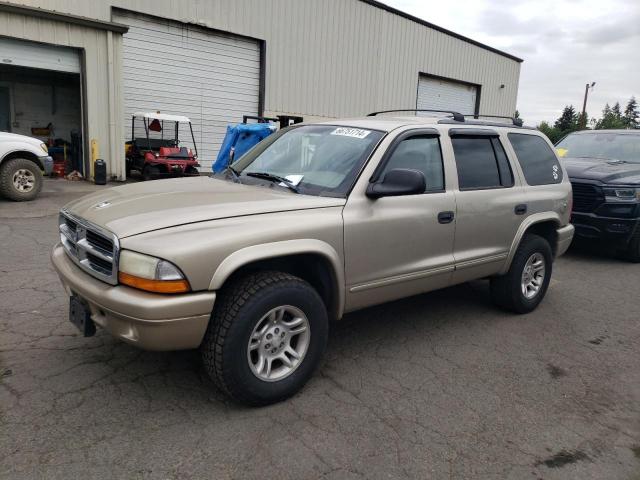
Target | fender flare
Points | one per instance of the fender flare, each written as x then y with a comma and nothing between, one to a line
265,251
524,226
29,155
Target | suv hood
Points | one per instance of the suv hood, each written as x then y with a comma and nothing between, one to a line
142,207
600,170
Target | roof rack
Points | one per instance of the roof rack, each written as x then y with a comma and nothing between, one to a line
458,117
516,121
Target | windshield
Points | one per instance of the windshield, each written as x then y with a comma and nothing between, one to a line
609,146
317,159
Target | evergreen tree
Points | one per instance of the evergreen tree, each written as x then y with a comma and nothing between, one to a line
611,118
568,121
616,111
631,114
551,132
583,119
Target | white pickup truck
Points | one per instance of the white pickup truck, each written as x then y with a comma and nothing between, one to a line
22,161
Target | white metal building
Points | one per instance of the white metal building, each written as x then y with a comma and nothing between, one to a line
86,66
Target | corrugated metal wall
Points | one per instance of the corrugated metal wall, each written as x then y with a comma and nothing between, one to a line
333,58
101,53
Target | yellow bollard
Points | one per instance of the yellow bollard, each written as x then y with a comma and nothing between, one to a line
95,152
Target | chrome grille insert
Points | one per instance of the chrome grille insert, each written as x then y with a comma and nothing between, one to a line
92,248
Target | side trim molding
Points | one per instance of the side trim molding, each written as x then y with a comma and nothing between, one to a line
401,278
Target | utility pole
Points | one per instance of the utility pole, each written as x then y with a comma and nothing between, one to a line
584,104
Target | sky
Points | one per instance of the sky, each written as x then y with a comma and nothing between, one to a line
565,44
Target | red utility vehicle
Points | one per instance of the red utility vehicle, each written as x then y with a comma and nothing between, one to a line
158,153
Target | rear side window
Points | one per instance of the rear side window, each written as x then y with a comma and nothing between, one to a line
539,164
420,153
481,163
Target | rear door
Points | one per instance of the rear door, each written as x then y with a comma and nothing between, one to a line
490,203
541,173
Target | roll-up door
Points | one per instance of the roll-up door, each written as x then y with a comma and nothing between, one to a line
437,93
211,77
19,53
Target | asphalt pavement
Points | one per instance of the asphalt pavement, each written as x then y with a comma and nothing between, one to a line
438,386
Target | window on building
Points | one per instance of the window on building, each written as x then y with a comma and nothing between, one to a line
481,162
420,153
539,164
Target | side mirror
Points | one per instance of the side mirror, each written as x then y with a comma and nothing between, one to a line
397,182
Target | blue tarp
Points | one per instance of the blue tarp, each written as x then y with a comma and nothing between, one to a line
240,139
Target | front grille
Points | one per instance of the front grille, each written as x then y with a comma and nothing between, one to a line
586,197
98,241
92,248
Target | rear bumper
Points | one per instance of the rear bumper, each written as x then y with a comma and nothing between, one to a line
565,236
615,231
146,320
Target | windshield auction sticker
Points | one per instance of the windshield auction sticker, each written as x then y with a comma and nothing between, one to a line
351,132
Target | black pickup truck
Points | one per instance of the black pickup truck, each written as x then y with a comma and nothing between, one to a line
604,169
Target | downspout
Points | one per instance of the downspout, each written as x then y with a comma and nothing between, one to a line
115,165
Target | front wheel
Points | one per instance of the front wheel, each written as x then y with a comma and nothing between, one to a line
20,179
150,172
266,337
632,254
524,286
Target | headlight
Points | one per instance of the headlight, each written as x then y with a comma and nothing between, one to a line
150,273
622,193
44,147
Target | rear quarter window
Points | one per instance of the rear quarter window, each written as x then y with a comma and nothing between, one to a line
539,164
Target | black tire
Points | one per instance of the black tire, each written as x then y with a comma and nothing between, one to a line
191,171
237,311
150,172
7,171
127,168
632,254
506,290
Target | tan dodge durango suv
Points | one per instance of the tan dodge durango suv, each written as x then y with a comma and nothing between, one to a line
318,220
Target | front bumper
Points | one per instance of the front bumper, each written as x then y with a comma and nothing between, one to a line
616,231
565,236
47,164
146,320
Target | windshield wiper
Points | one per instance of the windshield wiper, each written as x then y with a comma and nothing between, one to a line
236,175
274,178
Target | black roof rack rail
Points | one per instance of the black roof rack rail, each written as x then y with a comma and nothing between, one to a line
458,117
516,121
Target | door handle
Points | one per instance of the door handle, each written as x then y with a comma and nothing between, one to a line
520,209
445,217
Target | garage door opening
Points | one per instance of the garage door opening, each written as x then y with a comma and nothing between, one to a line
435,93
40,96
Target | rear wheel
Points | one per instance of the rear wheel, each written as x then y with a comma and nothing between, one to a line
150,172
267,335
524,286
20,179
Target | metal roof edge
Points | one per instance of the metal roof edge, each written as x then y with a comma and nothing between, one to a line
408,16
62,17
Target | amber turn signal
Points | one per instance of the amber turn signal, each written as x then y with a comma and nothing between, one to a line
155,286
